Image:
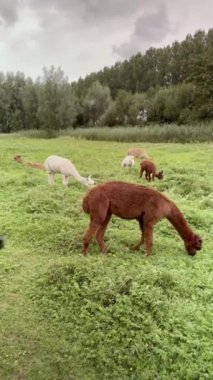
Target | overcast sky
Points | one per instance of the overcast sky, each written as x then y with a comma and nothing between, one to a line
83,36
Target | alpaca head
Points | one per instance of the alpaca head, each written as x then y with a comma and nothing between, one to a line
19,159
160,174
193,245
130,162
89,181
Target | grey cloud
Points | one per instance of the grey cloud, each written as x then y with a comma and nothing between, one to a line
127,49
90,8
101,10
153,26
8,12
150,28
87,10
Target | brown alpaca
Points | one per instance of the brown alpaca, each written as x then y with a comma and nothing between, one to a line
33,165
131,201
150,170
137,152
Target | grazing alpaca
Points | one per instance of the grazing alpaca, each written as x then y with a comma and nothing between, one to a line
150,170
34,165
128,162
131,201
56,164
137,152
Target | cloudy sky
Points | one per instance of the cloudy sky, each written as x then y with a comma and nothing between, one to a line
83,36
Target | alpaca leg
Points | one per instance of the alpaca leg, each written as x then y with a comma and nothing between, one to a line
141,173
100,234
148,239
141,241
153,177
65,179
51,178
98,209
91,231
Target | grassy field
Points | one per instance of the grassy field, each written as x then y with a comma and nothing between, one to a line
121,316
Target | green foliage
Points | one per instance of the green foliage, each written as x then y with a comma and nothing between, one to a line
30,105
121,316
56,103
126,109
11,105
173,104
201,76
97,100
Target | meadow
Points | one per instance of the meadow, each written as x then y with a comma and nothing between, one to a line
120,316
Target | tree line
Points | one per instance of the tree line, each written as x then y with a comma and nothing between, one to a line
164,85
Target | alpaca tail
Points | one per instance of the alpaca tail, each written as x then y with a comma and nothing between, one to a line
85,204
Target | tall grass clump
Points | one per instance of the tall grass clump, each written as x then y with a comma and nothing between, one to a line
37,133
150,133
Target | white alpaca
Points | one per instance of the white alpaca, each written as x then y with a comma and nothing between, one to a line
128,162
56,164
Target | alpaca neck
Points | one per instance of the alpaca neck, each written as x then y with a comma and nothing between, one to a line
74,172
82,180
177,219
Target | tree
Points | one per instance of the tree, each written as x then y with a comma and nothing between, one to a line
201,76
137,109
56,103
30,105
96,102
11,105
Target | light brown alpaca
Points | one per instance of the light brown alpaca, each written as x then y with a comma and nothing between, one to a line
34,165
131,201
150,170
137,152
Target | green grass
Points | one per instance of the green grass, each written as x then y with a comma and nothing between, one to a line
124,316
